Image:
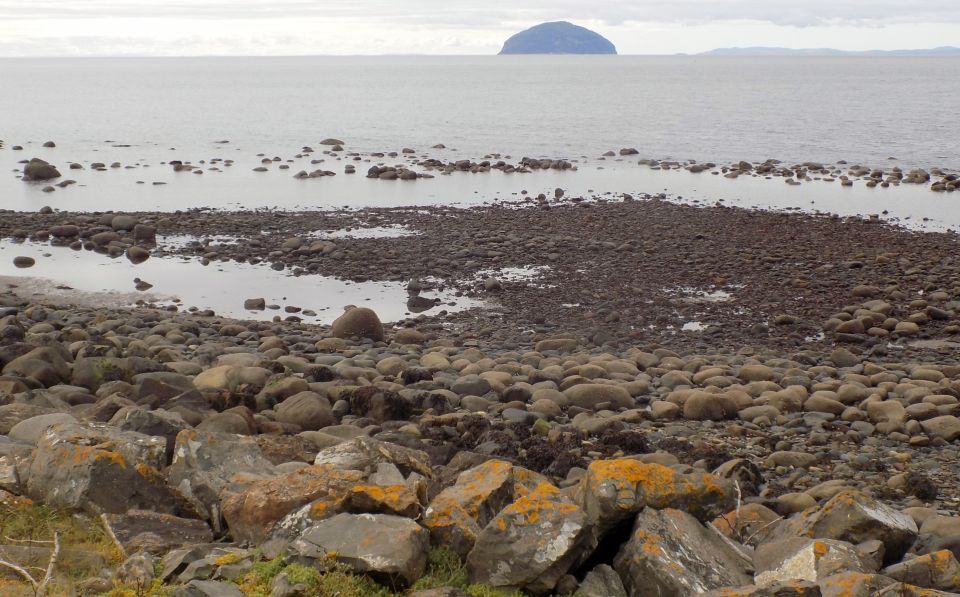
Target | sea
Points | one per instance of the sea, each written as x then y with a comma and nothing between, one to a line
140,114
144,112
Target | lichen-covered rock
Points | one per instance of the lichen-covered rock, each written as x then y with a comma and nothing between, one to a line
671,554
391,549
458,513
750,523
99,469
614,490
206,464
364,454
532,542
854,584
399,499
252,513
938,570
789,588
855,517
806,559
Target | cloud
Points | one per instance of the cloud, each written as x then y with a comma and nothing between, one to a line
497,13
272,27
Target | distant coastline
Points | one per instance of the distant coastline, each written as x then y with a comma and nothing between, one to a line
772,51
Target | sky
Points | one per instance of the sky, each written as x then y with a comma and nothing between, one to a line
306,27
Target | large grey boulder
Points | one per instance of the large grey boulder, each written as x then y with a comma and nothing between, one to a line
671,554
532,543
99,469
365,454
29,430
37,169
855,517
391,549
206,464
806,559
154,532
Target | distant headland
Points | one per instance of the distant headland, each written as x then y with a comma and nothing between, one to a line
558,37
764,51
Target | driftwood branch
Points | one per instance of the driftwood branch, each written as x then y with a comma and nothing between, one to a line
39,587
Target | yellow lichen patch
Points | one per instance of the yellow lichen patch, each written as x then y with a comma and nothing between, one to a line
544,502
820,549
393,499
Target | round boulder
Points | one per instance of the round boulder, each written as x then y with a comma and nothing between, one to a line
309,410
359,322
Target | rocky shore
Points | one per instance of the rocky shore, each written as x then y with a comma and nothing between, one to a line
573,437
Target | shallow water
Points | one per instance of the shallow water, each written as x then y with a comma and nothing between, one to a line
220,286
142,112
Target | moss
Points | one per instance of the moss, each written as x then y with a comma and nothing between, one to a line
444,569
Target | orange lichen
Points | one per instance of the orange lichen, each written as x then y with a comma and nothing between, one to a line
545,502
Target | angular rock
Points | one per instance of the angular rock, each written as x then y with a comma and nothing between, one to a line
855,517
613,490
364,454
252,513
602,581
806,559
154,532
938,570
99,469
206,464
208,588
854,584
670,554
391,549
457,514
532,542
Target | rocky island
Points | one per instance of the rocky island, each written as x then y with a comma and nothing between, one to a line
558,37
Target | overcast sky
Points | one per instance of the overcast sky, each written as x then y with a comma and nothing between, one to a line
283,27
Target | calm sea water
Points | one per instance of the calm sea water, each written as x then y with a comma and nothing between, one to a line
858,109
141,112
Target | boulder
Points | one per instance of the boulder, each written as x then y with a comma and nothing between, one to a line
99,469
30,430
590,395
671,554
309,410
391,549
365,454
938,570
251,514
37,169
532,542
155,532
602,581
806,559
614,490
379,404
207,464
457,514
854,584
358,322
855,517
